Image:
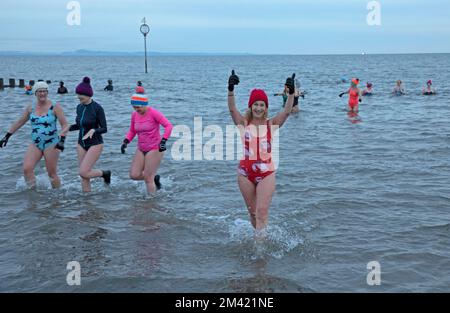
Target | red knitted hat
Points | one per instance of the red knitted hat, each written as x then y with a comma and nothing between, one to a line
258,95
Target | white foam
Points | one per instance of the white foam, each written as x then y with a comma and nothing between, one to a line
274,241
42,183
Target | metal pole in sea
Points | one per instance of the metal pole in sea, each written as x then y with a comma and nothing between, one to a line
145,29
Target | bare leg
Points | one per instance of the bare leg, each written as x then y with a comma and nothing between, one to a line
248,191
87,160
152,162
51,156
32,157
137,167
264,193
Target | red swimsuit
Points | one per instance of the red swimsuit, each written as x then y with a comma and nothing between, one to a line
257,167
353,99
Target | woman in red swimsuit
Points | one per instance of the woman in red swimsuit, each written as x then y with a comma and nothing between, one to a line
354,96
256,172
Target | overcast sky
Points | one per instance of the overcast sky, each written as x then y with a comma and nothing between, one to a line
253,26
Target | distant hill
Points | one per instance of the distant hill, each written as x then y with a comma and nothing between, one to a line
83,52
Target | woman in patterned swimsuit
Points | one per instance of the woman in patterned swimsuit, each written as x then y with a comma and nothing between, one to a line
256,172
46,142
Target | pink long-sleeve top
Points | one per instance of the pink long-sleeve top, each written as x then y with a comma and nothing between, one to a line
146,126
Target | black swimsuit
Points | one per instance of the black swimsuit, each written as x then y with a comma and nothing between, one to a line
89,117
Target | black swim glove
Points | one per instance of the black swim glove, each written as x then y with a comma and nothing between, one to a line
4,140
162,145
60,144
232,81
290,84
341,94
73,127
124,145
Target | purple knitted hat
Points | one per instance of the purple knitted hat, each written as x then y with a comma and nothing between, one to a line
84,88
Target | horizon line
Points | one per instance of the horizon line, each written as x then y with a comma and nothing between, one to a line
86,52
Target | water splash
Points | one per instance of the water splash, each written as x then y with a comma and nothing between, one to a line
42,183
275,241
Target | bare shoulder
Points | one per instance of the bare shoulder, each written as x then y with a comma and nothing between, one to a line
28,108
58,106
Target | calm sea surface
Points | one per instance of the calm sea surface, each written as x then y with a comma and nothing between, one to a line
348,191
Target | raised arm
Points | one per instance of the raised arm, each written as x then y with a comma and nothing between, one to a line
281,117
237,117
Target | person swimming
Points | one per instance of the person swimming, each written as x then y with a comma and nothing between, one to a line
343,80
368,91
28,89
399,90
110,86
428,90
297,94
62,89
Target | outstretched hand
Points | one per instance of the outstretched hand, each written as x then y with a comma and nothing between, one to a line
232,81
4,140
290,84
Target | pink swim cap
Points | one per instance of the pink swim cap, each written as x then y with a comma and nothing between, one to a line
140,89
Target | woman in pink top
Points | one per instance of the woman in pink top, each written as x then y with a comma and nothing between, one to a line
145,123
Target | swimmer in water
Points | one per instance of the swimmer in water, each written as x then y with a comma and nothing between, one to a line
428,90
368,91
62,89
354,96
399,90
110,86
297,95
28,89
342,80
